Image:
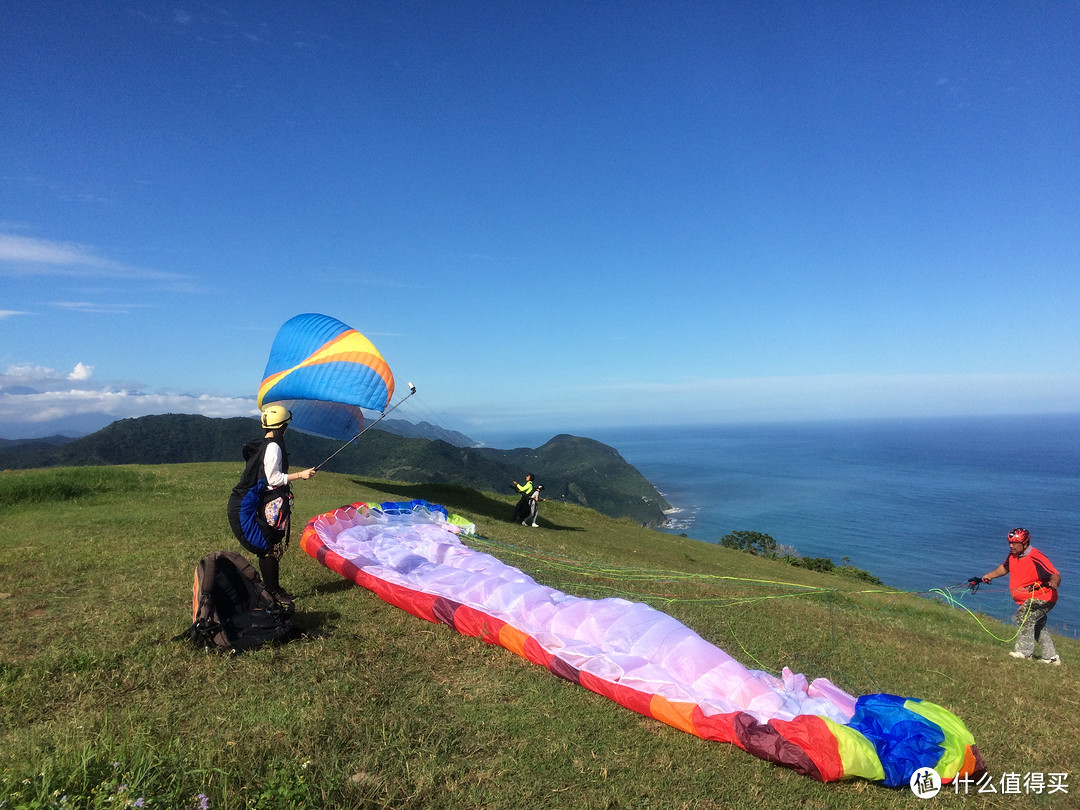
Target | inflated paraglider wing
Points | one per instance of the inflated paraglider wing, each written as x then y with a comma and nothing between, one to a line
411,556
325,372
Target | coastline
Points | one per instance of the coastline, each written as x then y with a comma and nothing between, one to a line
920,504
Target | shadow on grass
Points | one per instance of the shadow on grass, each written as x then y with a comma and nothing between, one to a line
332,586
555,527
314,624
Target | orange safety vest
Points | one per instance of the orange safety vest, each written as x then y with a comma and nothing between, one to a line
1030,568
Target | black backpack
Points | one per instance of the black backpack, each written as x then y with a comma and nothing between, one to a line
231,609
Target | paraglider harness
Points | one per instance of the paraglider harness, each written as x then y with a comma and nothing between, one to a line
232,611
272,506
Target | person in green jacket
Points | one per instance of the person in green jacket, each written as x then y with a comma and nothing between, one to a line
521,510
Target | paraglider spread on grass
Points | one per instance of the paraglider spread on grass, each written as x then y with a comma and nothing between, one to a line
412,556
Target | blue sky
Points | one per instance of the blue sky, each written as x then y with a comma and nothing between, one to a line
551,216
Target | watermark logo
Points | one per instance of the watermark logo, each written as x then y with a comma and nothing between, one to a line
925,783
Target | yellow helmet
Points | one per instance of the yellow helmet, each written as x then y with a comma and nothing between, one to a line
275,417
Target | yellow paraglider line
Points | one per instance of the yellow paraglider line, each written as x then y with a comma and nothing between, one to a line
628,575
946,594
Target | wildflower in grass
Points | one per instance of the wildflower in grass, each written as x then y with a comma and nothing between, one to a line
204,802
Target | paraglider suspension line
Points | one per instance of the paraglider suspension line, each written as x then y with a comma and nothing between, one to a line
386,413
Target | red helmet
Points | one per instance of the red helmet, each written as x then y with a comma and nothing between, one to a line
1019,536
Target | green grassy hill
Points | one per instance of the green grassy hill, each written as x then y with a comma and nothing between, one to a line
100,708
571,468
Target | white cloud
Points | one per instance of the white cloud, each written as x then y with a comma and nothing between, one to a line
42,379
26,256
26,373
81,372
25,250
7,313
97,309
38,401
56,405
79,411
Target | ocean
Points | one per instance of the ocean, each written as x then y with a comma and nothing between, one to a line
919,503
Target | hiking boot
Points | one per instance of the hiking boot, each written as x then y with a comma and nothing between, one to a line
282,595
1056,660
1016,654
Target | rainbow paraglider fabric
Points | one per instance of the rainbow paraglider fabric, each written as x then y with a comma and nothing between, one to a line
325,372
411,555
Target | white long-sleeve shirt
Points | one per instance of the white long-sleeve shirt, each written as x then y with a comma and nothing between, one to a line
275,476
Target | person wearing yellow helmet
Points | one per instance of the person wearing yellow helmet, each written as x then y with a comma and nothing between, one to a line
275,417
260,504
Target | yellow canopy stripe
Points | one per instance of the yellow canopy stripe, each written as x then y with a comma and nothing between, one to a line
347,347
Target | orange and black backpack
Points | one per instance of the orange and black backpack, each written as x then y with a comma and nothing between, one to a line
231,610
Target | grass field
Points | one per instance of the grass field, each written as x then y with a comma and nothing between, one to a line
99,707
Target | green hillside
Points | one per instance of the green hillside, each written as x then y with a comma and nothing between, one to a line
571,468
377,709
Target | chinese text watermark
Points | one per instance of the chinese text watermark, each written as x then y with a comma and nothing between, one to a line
926,783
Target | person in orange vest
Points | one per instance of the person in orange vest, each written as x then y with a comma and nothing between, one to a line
1033,583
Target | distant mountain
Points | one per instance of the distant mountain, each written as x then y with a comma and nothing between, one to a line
571,468
71,428
48,441
70,425
426,430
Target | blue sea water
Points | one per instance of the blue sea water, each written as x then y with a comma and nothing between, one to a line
920,503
